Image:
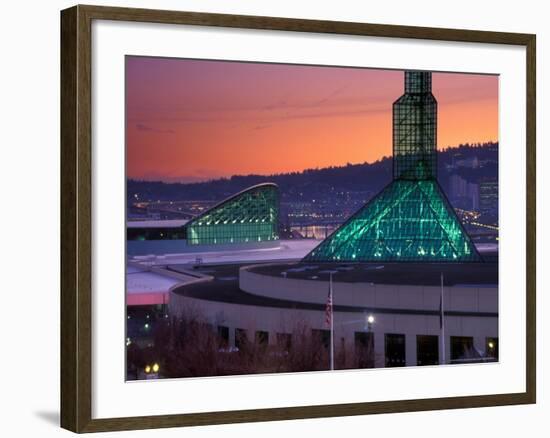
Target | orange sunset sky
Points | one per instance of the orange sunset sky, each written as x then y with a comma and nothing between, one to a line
190,120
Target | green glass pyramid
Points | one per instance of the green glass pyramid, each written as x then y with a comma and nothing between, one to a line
407,221
411,219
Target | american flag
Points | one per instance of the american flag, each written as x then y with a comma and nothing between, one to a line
328,310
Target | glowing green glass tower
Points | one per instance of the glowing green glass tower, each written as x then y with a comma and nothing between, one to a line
415,129
249,216
411,218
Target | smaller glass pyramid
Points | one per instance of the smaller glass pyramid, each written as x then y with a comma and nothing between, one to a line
249,216
410,220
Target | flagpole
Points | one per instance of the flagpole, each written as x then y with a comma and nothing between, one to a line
442,322
331,325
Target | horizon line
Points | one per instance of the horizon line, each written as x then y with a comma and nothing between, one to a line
180,179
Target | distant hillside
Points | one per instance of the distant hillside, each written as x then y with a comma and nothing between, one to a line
318,183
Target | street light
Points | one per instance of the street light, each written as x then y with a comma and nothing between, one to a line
151,371
369,319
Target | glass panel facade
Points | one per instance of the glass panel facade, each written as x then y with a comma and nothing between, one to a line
415,129
411,219
250,216
408,221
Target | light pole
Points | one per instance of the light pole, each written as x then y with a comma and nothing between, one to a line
331,298
370,337
330,314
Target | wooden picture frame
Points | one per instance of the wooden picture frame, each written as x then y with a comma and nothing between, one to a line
76,217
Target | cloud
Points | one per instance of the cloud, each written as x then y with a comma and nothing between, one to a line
335,103
146,128
332,95
275,106
292,111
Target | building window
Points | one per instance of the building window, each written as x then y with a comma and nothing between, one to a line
262,338
321,336
364,349
241,338
427,350
223,336
462,349
284,341
395,350
491,348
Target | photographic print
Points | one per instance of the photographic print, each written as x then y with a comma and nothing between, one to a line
297,218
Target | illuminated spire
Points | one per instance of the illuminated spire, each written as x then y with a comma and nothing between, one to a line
410,219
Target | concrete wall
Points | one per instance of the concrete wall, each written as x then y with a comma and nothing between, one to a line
179,246
284,320
457,298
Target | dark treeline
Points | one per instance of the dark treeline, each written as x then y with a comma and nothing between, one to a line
190,347
317,183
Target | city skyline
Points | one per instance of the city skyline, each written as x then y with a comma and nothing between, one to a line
190,120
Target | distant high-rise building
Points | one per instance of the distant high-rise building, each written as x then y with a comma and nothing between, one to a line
463,194
488,196
473,192
470,163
